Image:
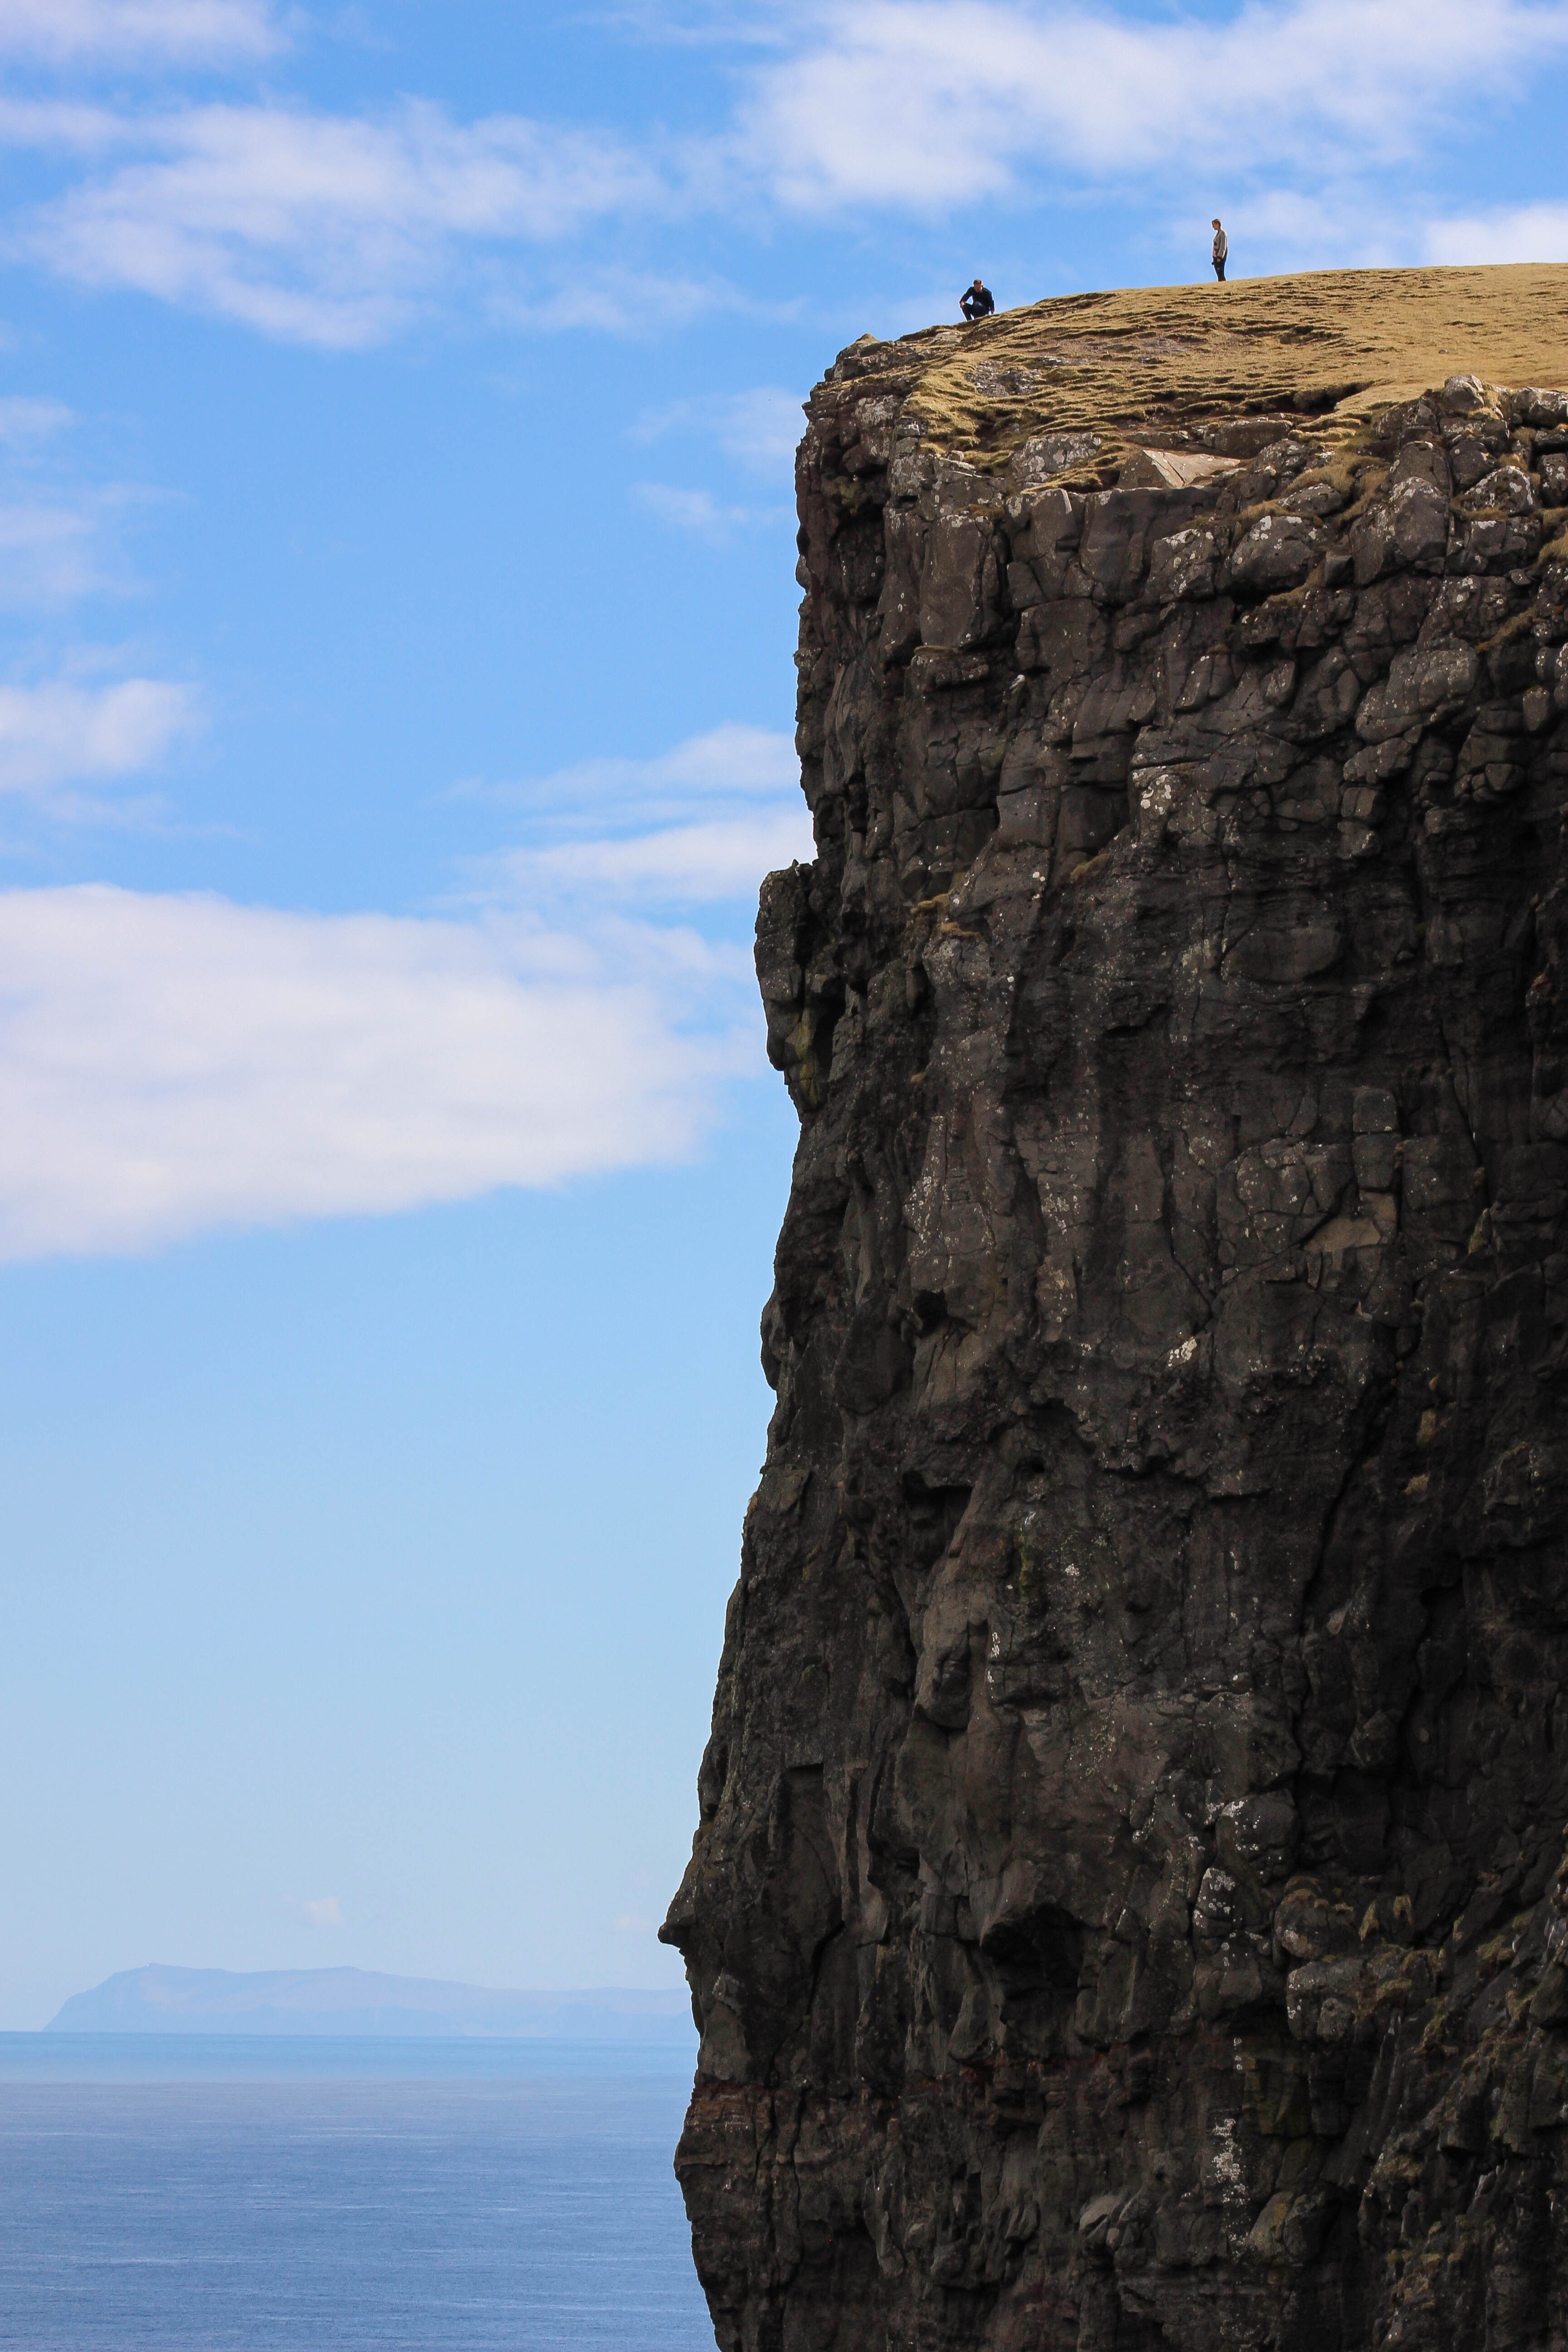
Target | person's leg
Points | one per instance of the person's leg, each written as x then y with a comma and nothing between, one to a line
1219,271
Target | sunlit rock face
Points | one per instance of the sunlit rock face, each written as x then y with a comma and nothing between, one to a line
1125,1910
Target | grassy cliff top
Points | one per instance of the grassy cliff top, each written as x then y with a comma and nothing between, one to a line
1145,364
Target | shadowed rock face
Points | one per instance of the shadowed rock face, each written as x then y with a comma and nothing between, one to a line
1125,1910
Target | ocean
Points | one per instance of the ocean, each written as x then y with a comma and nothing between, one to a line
212,2195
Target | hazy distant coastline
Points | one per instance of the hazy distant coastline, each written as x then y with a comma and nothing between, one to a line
159,2000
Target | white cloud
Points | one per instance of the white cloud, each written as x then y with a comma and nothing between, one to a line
324,1911
170,1065
697,825
705,769
321,229
340,229
132,32
61,733
928,103
60,542
724,859
1528,233
709,23
761,428
758,429
68,126
51,552
1346,225
25,422
59,533
617,302
700,512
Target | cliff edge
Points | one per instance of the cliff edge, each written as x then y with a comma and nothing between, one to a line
1127,1908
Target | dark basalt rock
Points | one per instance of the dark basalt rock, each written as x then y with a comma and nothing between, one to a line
1128,1906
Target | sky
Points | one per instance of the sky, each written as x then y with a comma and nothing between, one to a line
396,612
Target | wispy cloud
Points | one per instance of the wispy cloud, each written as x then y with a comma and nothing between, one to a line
50,554
610,301
691,24
71,127
324,1911
724,859
930,103
27,423
701,513
341,229
170,1065
1524,233
61,732
61,532
697,825
60,544
134,32
713,767
71,719
321,228
758,428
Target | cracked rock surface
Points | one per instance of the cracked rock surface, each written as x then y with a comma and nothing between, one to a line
1129,1904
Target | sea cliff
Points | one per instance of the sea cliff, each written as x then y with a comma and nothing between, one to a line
1126,1908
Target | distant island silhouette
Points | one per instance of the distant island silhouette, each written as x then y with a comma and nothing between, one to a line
158,1999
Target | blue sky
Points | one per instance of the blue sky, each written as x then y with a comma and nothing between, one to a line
397,610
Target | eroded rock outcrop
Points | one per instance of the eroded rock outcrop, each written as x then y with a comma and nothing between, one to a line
1128,1908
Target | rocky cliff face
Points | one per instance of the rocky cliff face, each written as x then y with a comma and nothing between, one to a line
1127,1906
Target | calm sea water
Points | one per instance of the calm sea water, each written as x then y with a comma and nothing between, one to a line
281,2196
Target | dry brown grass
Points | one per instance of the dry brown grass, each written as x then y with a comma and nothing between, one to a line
1144,365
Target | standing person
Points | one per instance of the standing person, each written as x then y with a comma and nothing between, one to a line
978,302
1221,247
